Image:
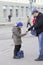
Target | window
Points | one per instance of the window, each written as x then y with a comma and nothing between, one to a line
11,13
33,0
42,9
11,10
16,12
27,11
4,11
22,10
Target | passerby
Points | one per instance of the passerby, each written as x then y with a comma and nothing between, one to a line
9,18
17,38
38,26
28,21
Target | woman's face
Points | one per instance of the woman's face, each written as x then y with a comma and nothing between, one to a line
35,14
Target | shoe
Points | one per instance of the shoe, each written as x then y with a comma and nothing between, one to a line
39,59
16,57
20,54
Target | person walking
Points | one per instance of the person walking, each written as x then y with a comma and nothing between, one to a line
38,26
17,38
9,18
28,21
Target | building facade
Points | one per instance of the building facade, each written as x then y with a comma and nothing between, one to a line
16,10
37,4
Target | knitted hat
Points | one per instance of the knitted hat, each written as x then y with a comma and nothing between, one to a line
19,24
33,11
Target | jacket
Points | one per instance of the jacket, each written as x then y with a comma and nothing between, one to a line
34,20
16,35
39,24
28,20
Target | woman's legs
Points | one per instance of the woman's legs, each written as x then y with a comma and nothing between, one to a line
41,44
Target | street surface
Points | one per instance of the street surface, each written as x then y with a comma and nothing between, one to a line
29,46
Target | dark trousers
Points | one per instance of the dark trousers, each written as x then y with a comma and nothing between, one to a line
9,19
16,49
28,24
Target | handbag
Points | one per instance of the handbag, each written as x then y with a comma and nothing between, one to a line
33,32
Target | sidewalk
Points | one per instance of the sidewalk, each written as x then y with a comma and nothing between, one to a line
6,23
30,47
9,23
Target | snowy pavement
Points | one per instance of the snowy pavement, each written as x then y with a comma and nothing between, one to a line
29,45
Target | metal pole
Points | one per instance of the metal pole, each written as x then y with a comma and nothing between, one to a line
30,5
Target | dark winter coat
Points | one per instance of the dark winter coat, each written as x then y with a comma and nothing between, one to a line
39,24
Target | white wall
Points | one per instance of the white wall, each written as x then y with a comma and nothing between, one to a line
40,2
17,1
14,5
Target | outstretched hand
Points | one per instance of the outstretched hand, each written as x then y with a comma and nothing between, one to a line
26,32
